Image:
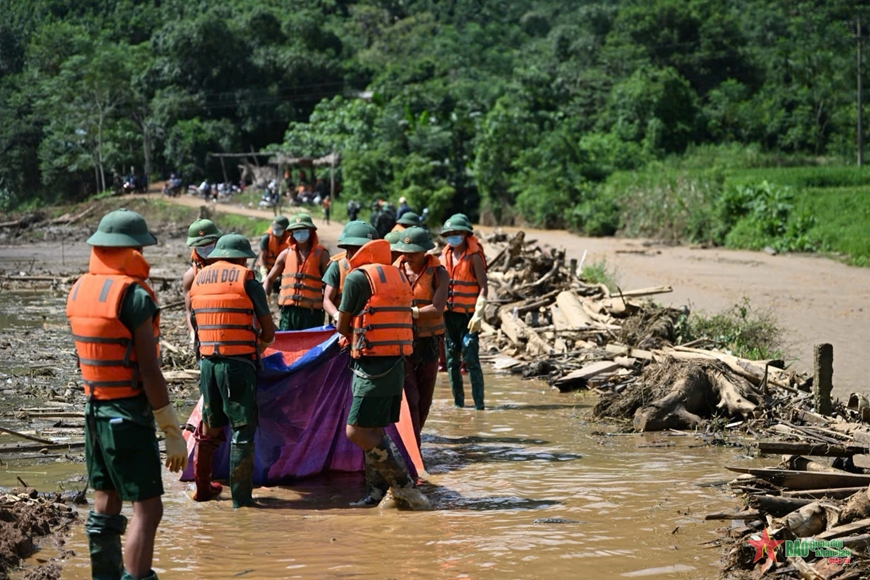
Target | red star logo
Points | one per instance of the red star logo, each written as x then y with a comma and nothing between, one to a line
765,544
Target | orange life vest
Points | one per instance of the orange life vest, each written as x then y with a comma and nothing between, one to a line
104,346
423,289
223,313
302,283
385,326
399,228
343,269
464,289
196,261
275,246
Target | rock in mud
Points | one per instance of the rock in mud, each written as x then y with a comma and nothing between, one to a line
24,522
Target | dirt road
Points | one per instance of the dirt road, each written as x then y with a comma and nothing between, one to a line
815,299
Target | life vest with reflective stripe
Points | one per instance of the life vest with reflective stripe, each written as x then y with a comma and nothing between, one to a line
196,261
223,313
104,346
423,290
302,283
385,327
343,269
464,289
274,247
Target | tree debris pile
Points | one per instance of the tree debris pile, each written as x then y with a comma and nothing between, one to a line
544,321
812,510
27,520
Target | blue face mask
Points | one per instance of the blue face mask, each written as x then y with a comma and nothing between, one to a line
301,236
204,251
454,241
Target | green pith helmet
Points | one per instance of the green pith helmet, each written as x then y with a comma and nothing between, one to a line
357,233
202,233
232,246
393,237
457,223
122,228
279,225
301,221
413,240
409,218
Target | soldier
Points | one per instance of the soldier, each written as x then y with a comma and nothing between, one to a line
408,220
201,236
272,243
114,318
300,268
354,235
466,301
429,285
233,326
375,316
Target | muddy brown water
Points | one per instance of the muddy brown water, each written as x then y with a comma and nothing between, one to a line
635,505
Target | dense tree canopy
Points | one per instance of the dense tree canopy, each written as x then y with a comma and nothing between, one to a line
498,107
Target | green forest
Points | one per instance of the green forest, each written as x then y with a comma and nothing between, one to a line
682,119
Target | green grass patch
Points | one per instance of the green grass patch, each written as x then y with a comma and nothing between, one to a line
599,273
742,329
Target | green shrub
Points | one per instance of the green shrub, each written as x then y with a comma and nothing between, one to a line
599,273
745,331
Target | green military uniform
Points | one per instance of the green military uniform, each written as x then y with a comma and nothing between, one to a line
229,384
377,381
120,440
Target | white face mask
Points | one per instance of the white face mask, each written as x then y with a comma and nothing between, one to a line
301,236
204,251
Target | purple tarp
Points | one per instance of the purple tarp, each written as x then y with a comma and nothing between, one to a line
303,406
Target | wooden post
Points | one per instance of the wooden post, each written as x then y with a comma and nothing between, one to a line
224,169
573,268
823,365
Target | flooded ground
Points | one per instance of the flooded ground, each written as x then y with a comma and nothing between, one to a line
526,489
635,506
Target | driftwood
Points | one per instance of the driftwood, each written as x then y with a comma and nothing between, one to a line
830,493
806,521
25,436
777,506
798,463
818,449
805,479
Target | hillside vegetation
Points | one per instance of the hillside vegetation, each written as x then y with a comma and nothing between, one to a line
685,119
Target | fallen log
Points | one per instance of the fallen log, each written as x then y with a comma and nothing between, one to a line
643,292
572,310
845,530
39,447
856,508
806,521
735,516
805,479
830,493
798,463
578,379
817,449
25,436
777,506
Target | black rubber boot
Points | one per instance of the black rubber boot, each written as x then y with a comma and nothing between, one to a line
387,460
104,542
376,486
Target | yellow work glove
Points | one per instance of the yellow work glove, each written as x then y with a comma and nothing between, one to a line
264,273
176,448
415,312
476,322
